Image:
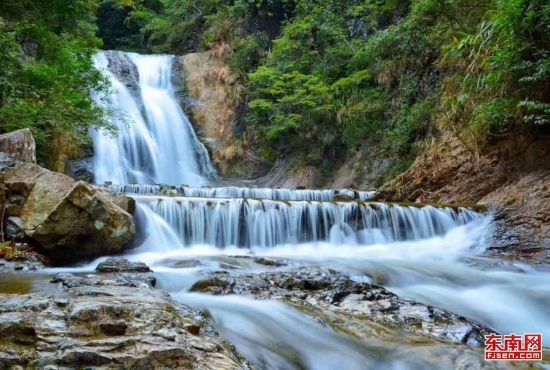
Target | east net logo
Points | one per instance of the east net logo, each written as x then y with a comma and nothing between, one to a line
526,347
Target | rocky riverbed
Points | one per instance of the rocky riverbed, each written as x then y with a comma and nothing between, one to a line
349,306
119,315
108,320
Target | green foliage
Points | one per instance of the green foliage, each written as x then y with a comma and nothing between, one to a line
503,74
117,29
324,76
354,83
46,69
249,51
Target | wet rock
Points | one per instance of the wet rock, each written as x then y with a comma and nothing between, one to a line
193,329
169,192
82,170
69,220
214,285
14,228
120,326
113,328
125,70
114,264
270,262
342,197
6,161
19,145
352,306
123,279
339,296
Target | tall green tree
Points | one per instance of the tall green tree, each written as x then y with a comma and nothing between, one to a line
46,68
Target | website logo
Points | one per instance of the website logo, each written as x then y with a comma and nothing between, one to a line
513,347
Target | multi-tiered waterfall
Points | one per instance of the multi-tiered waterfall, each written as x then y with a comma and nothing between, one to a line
417,251
156,144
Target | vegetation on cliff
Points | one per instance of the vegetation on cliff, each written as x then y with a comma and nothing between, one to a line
46,69
323,76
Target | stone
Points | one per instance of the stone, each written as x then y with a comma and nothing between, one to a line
121,326
193,329
270,262
14,205
82,169
342,198
213,285
113,328
69,220
19,145
114,264
6,161
353,305
13,228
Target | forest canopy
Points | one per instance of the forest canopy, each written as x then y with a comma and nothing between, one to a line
334,73
330,73
46,69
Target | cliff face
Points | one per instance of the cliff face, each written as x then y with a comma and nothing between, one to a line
212,95
511,177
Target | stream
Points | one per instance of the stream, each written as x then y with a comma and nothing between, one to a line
196,227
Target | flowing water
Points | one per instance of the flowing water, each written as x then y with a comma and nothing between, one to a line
155,142
425,253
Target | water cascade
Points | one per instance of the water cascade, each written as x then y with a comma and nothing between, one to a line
155,142
242,192
420,252
266,223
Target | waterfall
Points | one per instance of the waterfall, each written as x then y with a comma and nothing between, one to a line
238,222
184,217
154,142
241,192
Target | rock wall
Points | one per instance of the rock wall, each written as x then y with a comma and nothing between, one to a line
211,94
19,145
63,151
511,177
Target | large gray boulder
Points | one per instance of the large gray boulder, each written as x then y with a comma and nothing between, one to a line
19,145
107,321
70,220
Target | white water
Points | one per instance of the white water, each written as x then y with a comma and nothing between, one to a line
240,192
155,142
267,223
443,271
427,254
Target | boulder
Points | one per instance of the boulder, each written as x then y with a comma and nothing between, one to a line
125,202
114,264
70,220
104,321
82,169
19,145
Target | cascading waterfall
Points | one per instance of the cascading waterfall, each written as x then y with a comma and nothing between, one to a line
267,223
400,247
155,142
240,192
